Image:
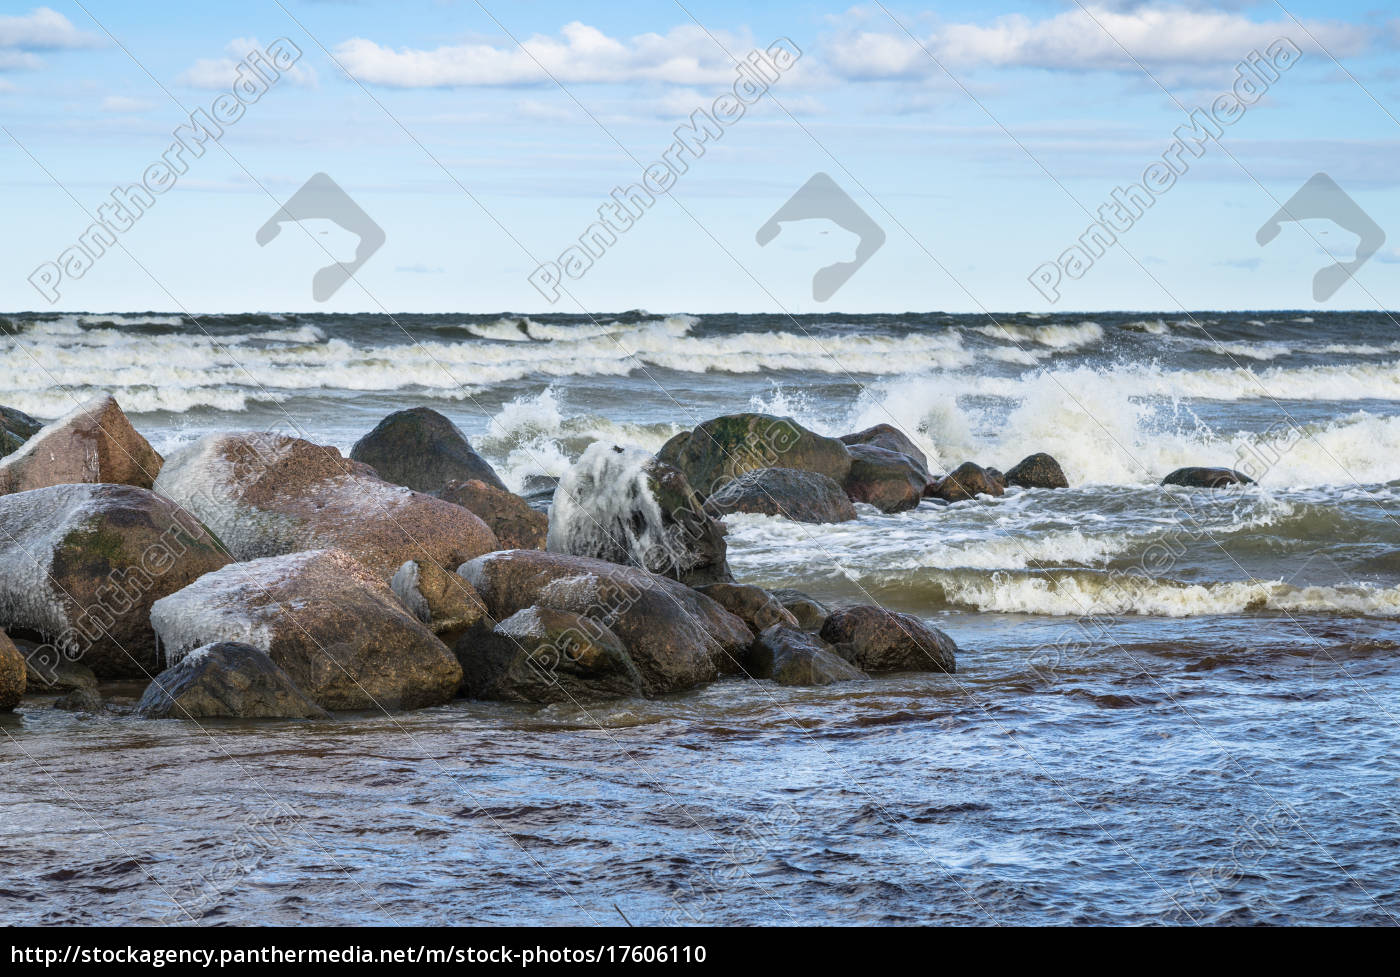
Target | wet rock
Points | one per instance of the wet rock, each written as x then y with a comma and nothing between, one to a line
335,627
624,506
542,654
890,438
967,481
793,657
267,494
443,601
753,605
725,448
670,452
1037,471
421,449
12,674
81,564
85,699
1207,478
538,492
889,480
227,680
95,443
18,423
796,495
877,640
676,636
516,525
810,613
48,670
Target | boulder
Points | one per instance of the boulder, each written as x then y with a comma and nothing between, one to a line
9,443
95,443
670,452
421,449
625,506
335,627
890,438
796,495
793,657
268,494
82,699
877,640
47,670
443,601
889,480
81,564
227,680
1207,478
12,674
18,423
811,614
676,637
1037,471
753,605
516,525
967,481
541,654
724,448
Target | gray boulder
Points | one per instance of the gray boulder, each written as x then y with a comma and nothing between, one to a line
877,640
797,495
793,657
227,680
423,450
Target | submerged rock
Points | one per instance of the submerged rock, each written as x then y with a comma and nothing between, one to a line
878,640
889,480
12,674
810,613
517,526
93,444
80,566
796,495
1037,471
793,657
753,605
890,438
624,506
333,626
724,448
1207,478
677,637
542,654
967,481
421,449
227,680
268,494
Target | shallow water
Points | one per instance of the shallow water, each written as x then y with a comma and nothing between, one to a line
1211,739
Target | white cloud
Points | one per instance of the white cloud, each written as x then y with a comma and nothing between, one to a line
684,56
41,29
1156,35
123,103
220,73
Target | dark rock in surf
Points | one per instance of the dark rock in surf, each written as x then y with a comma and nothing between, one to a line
725,448
1207,478
889,480
810,613
793,657
967,481
423,450
877,640
1037,471
516,525
890,438
797,495
227,680
753,605
18,423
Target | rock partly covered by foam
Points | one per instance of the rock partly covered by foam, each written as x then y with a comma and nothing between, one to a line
267,494
333,626
793,657
676,637
796,495
1037,471
967,481
890,438
12,674
542,654
80,565
1207,478
624,506
889,480
423,450
516,525
724,448
227,680
95,443
878,640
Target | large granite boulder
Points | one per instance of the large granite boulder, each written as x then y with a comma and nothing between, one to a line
517,526
226,680
1037,471
877,640
1207,478
423,450
724,448
889,480
965,482
81,564
443,601
12,674
335,627
754,606
890,438
94,443
796,495
267,494
793,657
677,638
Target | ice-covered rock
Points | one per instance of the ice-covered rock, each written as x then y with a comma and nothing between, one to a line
94,443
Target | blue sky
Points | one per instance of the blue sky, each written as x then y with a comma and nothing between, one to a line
483,138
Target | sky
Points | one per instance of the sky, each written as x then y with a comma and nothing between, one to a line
966,149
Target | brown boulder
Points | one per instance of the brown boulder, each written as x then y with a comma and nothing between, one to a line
793,657
890,438
889,480
516,525
12,674
878,640
93,444
1037,471
967,481
796,495
753,605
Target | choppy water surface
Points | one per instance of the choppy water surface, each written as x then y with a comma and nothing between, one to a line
1171,705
